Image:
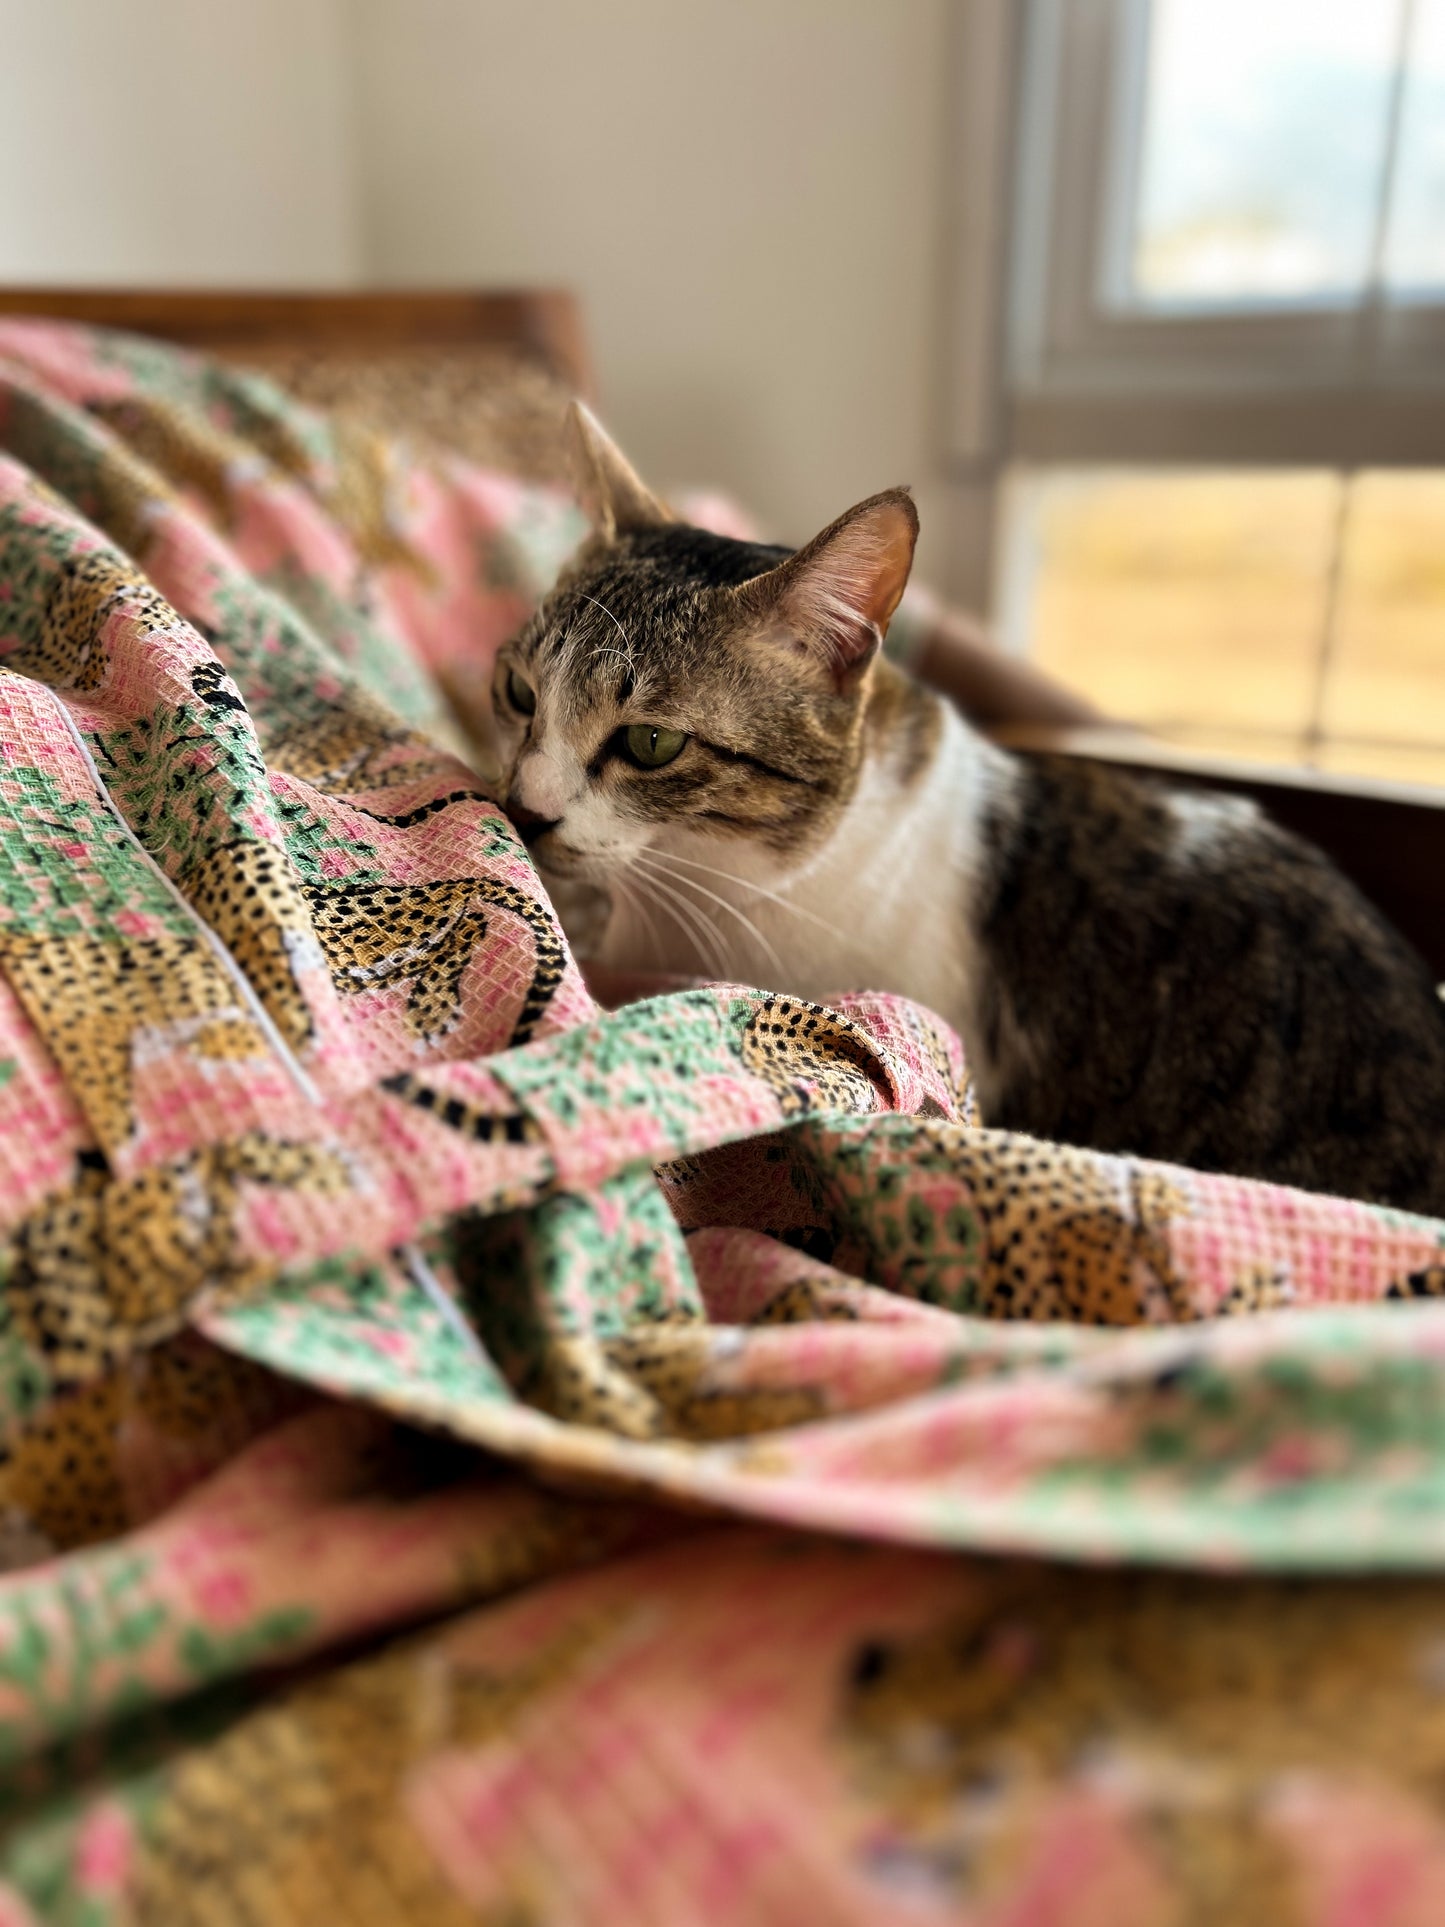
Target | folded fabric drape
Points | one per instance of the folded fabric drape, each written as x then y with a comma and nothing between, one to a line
320,1168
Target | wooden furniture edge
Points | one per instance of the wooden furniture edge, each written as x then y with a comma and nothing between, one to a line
1116,744
545,321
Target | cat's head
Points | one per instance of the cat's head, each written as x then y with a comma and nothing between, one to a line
678,684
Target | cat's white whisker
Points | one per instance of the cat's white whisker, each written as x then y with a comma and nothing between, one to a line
701,931
760,889
628,659
690,883
658,857
710,947
697,921
633,902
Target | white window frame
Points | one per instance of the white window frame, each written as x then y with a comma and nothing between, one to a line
1344,384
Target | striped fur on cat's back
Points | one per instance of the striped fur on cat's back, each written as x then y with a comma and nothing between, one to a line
704,728
1170,973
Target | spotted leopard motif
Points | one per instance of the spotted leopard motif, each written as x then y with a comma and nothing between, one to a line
190,1389
299,1812
675,1366
111,1265
64,1472
99,1004
349,747
812,1058
1064,1234
69,652
940,1048
257,1814
181,445
1257,1288
575,1379
60,1475
247,892
379,934
803,1301
1427,1283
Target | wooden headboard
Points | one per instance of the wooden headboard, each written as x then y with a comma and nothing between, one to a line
543,323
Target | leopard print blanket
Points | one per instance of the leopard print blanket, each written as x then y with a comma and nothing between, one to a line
739,1415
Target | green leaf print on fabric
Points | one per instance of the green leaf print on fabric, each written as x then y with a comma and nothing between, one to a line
188,779
601,1262
648,1056
867,1180
320,850
353,629
545,1287
67,866
365,1330
208,1655
109,1641
285,669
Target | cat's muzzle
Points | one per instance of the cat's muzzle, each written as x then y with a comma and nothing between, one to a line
529,825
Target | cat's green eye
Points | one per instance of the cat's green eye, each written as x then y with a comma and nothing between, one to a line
652,748
521,695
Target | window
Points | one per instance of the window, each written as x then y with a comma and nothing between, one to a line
1281,615
1224,420
1261,153
1221,198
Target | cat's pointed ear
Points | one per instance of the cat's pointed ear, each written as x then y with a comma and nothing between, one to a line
836,597
613,494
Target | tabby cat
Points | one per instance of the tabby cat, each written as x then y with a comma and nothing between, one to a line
705,728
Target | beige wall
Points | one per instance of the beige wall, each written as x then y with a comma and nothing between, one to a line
176,140
747,193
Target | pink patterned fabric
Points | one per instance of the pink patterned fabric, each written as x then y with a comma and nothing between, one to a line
321,1167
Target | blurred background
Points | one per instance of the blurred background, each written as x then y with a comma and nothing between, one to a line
1146,298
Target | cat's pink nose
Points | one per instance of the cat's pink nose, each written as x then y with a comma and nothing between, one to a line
529,825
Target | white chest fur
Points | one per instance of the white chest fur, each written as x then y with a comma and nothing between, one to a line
884,904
